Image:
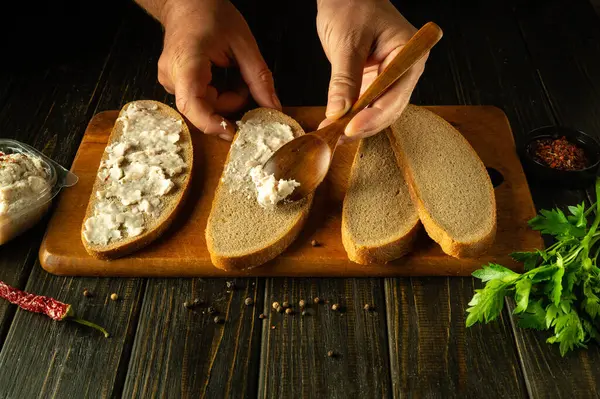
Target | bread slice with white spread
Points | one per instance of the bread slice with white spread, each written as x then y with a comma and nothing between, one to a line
379,220
248,224
448,182
142,180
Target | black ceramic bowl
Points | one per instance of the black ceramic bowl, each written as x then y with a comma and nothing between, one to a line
540,173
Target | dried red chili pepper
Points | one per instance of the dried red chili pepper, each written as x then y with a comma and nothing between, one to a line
52,308
560,154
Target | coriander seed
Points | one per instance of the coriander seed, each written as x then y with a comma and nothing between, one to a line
86,293
314,243
217,320
275,305
197,302
367,307
335,307
301,303
187,305
230,285
285,304
280,309
249,301
289,311
330,354
262,316
114,296
317,300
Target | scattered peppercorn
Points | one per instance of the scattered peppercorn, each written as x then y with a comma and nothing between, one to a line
262,316
197,302
335,307
316,300
285,304
114,296
367,307
86,293
275,305
217,320
249,301
330,354
560,154
280,309
301,303
289,311
314,243
211,310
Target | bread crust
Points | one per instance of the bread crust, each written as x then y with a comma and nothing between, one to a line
452,247
131,245
397,247
270,250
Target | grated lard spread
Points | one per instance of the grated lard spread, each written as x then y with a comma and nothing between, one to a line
136,174
255,145
23,183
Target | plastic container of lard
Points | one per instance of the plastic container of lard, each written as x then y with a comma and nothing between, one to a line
29,182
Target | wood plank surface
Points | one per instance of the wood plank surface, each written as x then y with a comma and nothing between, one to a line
193,355
432,354
34,95
563,39
295,358
183,252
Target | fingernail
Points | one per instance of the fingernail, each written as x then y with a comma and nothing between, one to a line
277,102
336,107
225,137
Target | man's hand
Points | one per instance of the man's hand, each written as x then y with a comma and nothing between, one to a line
360,38
199,33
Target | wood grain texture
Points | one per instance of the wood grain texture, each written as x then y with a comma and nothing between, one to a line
434,355
194,356
33,100
64,359
482,61
183,252
295,361
563,40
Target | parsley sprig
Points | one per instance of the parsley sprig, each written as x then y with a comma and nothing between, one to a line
559,290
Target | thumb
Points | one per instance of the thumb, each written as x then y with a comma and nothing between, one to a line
347,63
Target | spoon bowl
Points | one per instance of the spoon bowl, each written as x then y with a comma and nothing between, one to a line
317,154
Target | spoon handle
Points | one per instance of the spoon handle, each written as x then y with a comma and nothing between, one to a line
413,51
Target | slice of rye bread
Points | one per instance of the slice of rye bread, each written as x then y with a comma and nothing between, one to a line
448,182
170,203
379,220
240,234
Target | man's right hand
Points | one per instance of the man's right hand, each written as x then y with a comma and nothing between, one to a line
199,33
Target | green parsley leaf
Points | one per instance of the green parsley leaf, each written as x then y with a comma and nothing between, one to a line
591,303
495,272
534,317
487,303
556,284
554,222
577,217
591,330
522,289
529,259
568,331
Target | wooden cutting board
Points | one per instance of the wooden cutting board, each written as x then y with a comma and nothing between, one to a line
182,250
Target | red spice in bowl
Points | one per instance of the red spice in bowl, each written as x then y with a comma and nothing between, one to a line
559,154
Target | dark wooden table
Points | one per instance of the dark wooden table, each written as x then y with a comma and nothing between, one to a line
537,60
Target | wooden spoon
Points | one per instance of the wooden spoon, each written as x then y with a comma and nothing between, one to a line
306,159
